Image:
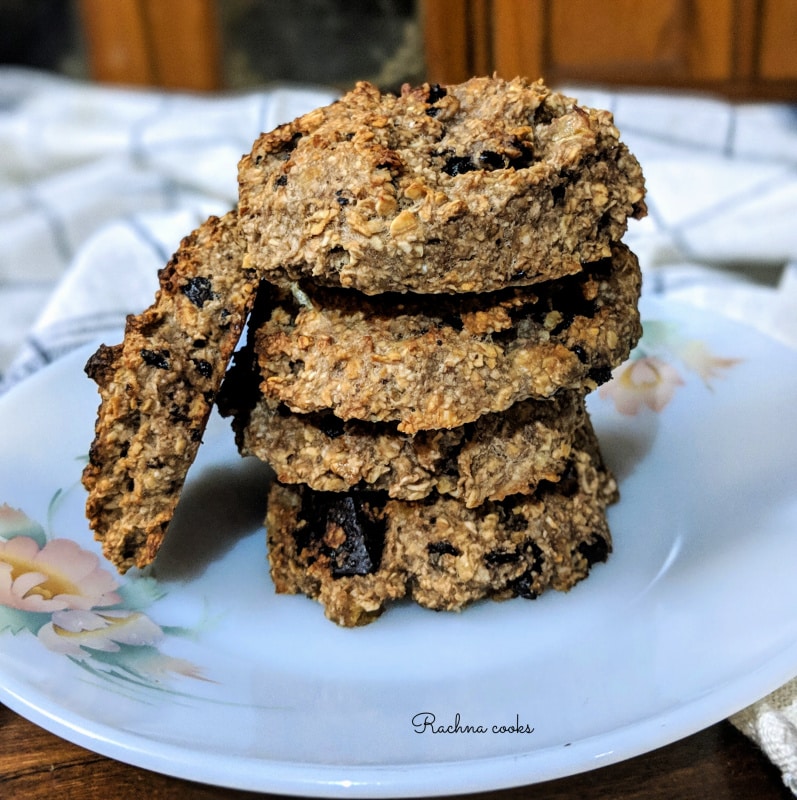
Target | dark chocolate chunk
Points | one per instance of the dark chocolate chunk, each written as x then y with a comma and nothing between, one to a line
580,353
354,516
525,158
198,290
340,197
458,165
595,551
523,586
156,358
442,548
203,367
488,159
600,375
494,558
361,551
436,92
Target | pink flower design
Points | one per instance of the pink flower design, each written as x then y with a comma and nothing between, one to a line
57,576
59,592
71,630
646,381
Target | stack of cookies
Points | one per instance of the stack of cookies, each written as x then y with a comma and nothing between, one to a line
441,283
433,282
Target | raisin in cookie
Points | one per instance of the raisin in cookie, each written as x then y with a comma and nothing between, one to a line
495,456
463,188
431,362
356,552
157,388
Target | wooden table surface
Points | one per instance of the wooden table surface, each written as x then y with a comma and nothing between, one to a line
716,763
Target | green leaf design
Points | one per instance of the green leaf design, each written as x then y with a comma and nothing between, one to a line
139,594
144,665
658,333
13,620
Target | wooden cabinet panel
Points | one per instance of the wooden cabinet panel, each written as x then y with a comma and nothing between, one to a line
741,48
519,33
185,43
171,44
632,40
447,39
117,42
778,49
633,36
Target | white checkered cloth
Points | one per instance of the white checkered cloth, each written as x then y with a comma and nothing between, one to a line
98,186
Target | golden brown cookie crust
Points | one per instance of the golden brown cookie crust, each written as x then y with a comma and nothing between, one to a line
464,188
358,553
443,361
495,456
157,388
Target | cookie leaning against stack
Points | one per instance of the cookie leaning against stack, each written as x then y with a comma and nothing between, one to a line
448,284
157,388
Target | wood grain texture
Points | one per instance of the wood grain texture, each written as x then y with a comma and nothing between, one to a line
446,40
632,41
739,48
171,44
718,763
518,38
185,42
778,46
116,42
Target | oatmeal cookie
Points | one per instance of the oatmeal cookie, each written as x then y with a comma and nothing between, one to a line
495,456
356,552
462,188
157,388
432,362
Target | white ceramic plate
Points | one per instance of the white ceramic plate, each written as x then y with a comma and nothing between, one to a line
200,671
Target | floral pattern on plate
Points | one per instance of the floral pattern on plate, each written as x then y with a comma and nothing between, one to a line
649,379
54,589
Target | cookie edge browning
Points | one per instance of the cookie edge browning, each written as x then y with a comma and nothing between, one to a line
179,345
532,440
308,359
